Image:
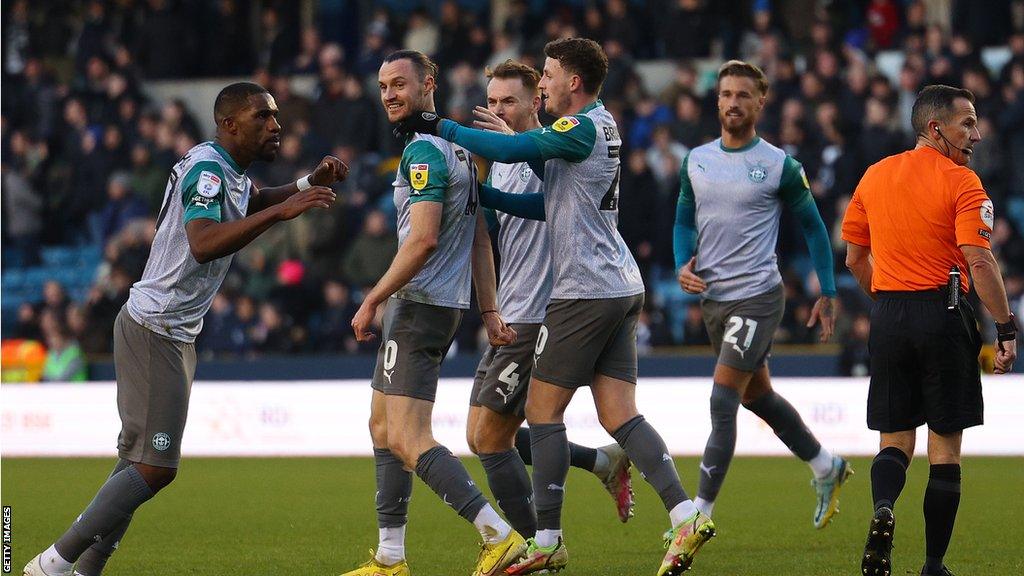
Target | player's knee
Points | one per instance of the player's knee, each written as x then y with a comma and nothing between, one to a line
379,430
471,441
402,446
157,477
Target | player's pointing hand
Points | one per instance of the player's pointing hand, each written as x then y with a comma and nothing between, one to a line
328,171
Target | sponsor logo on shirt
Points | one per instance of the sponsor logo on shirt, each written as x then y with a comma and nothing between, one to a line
565,123
418,175
208,185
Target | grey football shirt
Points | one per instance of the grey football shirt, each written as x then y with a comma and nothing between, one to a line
176,291
434,170
738,195
581,202
525,287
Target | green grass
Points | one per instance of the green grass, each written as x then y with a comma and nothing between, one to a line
288,517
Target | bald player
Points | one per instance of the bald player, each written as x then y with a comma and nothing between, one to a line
211,210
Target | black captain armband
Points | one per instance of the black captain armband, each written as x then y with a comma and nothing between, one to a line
1007,331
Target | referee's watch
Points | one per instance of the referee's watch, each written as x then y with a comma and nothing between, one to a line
1007,331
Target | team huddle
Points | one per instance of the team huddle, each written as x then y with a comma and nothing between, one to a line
563,317
570,289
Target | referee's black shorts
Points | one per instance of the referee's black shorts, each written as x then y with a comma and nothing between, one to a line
924,364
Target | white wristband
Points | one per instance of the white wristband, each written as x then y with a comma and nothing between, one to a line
303,183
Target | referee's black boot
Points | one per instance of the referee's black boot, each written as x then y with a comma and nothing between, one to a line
944,572
877,560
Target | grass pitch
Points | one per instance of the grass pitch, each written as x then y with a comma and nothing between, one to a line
308,517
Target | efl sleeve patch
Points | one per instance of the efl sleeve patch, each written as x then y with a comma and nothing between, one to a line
419,174
988,213
565,123
208,185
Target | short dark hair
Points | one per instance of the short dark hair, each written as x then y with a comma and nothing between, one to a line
234,97
744,70
512,69
421,62
935,101
583,57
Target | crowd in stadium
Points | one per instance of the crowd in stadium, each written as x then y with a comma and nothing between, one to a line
86,154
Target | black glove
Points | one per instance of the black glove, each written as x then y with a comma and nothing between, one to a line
418,123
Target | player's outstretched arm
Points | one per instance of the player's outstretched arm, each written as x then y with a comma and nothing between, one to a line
485,281
210,239
491,145
425,223
529,206
327,172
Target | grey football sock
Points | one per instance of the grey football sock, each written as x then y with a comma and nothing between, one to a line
448,478
394,489
550,447
725,402
582,457
787,424
649,454
93,560
112,506
510,484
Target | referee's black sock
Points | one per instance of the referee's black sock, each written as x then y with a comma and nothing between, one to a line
941,500
888,475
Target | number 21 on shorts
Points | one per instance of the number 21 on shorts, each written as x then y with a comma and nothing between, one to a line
735,325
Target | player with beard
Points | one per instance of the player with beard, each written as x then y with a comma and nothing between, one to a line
211,210
443,240
731,196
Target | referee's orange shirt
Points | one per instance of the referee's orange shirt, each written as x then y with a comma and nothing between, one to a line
914,210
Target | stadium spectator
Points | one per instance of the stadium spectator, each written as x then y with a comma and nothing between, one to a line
64,359
121,208
370,253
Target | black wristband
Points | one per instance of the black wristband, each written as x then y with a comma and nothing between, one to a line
488,312
1006,331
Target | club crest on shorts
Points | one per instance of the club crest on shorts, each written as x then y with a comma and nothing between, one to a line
161,441
565,123
418,175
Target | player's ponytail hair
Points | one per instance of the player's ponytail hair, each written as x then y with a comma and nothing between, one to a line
744,70
513,69
423,64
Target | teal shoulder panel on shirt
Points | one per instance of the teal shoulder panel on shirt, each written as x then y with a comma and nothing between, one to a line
685,187
570,138
426,169
202,191
794,189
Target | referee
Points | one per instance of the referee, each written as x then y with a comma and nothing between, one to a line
917,223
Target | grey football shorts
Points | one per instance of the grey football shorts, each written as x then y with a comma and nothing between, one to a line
415,340
503,375
582,338
741,331
154,378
